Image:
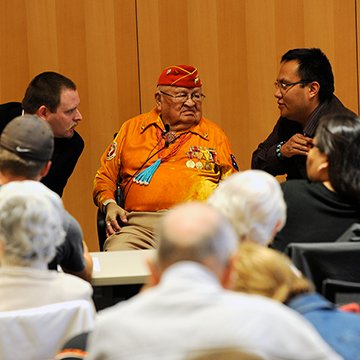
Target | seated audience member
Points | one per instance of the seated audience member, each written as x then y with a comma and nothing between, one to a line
187,310
266,272
253,202
26,147
324,208
55,99
30,229
167,156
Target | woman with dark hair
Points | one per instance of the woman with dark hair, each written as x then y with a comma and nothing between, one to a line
322,209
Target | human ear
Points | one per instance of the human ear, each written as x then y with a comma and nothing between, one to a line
228,274
158,101
324,166
42,112
155,273
314,88
45,170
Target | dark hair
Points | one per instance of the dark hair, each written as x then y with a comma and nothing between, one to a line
15,166
313,66
45,89
338,136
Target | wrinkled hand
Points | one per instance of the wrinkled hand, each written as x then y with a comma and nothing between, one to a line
113,211
298,144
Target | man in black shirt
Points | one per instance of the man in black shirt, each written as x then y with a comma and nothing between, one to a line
304,90
55,99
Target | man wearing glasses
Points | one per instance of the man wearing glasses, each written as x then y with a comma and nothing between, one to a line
304,90
169,155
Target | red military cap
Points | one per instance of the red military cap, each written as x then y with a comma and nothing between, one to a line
180,75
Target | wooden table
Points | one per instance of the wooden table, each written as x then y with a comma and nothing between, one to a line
118,275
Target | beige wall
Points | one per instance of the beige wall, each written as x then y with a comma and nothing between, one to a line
115,49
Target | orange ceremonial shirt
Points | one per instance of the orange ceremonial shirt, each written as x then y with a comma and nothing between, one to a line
192,164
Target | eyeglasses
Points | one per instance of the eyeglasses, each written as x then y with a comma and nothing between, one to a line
182,98
285,87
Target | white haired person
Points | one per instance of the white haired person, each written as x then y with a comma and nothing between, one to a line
189,312
30,229
253,202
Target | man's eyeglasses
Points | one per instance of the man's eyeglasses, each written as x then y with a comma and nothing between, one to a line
284,87
182,98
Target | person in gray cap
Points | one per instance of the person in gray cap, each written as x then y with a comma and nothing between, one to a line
26,147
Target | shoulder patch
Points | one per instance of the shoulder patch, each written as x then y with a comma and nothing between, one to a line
112,151
233,162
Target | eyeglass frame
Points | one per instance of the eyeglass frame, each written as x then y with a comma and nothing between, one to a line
188,96
285,87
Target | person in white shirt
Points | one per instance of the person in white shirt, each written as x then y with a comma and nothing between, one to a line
31,226
188,310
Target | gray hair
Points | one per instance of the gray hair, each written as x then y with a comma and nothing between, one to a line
31,218
195,232
253,202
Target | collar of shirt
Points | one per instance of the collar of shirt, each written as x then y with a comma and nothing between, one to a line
154,119
311,125
305,303
189,271
26,272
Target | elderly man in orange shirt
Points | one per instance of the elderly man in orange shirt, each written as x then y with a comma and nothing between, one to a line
169,155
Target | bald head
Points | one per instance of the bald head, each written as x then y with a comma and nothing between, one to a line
195,232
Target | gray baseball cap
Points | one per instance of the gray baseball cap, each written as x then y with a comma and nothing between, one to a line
29,137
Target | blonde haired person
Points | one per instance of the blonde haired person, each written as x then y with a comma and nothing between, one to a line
263,271
253,202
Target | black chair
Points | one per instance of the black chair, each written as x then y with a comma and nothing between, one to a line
321,261
333,290
74,348
350,234
101,228
100,217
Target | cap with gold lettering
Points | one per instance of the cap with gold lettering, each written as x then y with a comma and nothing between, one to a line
180,75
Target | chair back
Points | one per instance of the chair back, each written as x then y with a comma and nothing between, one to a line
39,333
333,290
320,261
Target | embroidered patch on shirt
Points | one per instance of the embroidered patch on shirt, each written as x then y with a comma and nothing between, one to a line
112,151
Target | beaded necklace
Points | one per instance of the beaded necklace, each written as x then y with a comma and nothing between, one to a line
145,176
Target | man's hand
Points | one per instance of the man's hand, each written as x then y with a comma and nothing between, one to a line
298,144
113,211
